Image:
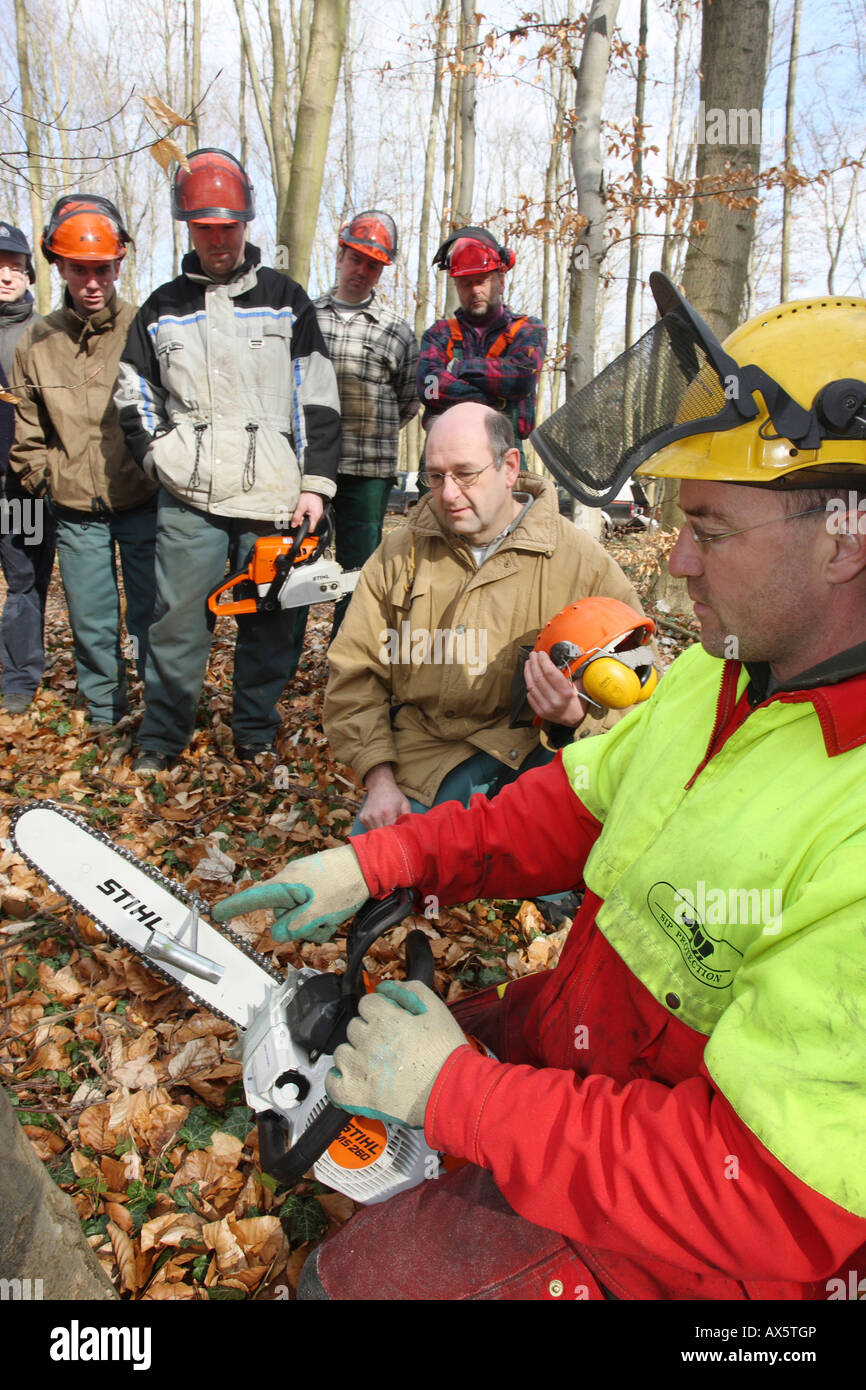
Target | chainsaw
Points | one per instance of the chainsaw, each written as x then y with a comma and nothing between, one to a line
289,1024
285,571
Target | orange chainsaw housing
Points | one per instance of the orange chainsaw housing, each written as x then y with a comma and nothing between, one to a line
263,568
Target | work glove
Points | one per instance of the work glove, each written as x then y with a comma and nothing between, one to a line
397,1046
310,897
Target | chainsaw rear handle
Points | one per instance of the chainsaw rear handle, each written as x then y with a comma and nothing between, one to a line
375,917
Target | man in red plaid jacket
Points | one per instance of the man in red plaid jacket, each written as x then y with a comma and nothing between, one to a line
486,352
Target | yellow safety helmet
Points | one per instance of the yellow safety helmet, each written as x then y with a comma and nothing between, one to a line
782,403
815,350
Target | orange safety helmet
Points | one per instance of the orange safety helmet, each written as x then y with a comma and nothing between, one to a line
85,227
603,641
214,189
373,234
473,251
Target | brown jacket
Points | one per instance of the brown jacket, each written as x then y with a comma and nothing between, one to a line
400,694
67,433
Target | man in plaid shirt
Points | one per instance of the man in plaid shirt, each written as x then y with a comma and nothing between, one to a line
486,352
374,354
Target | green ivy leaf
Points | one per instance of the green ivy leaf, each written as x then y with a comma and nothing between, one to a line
303,1219
238,1122
198,1129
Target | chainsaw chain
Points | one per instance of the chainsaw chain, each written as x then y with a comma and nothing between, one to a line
177,890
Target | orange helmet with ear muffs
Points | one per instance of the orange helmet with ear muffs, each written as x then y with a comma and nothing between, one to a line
603,641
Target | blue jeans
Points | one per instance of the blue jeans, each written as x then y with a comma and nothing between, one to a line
27,560
87,554
481,773
192,549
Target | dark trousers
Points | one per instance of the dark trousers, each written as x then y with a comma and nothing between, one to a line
192,549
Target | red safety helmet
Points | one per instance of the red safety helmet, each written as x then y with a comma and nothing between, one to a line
215,188
473,251
603,641
373,233
85,227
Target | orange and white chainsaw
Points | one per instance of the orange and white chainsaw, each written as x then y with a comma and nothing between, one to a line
290,570
289,1023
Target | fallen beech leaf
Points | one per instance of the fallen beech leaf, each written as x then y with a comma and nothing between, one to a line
171,1229
124,1254
337,1206
119,1215
196,1056
220,1238
531,921
94,1129
49,1057
45,1141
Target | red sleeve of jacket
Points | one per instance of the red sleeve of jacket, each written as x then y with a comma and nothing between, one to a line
641,1170
533,837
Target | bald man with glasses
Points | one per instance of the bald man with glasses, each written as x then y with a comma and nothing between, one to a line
419,694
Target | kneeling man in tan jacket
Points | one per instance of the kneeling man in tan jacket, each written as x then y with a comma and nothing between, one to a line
421,671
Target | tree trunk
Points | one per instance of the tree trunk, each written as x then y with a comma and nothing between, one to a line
297,227
588,251
788,197
637,164
463,213
40,1234
449,162
423,289
258,90
194,73
733,67
414,433
281,163
34,160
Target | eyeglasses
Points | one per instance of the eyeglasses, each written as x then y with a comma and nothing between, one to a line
463,478
701,539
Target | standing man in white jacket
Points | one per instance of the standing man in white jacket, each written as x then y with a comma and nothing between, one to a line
227,396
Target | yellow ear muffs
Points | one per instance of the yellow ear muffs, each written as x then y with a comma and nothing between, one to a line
650,681
610,683
616,683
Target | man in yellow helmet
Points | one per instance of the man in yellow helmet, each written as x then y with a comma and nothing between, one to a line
677,1111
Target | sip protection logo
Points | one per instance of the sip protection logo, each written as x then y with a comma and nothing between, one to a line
708,956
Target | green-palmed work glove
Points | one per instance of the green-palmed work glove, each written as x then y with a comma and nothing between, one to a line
396,1048
310,897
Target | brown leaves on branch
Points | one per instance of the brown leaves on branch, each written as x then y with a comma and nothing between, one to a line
166,150
165,113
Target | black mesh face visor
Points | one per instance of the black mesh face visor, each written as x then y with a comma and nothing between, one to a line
677,380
